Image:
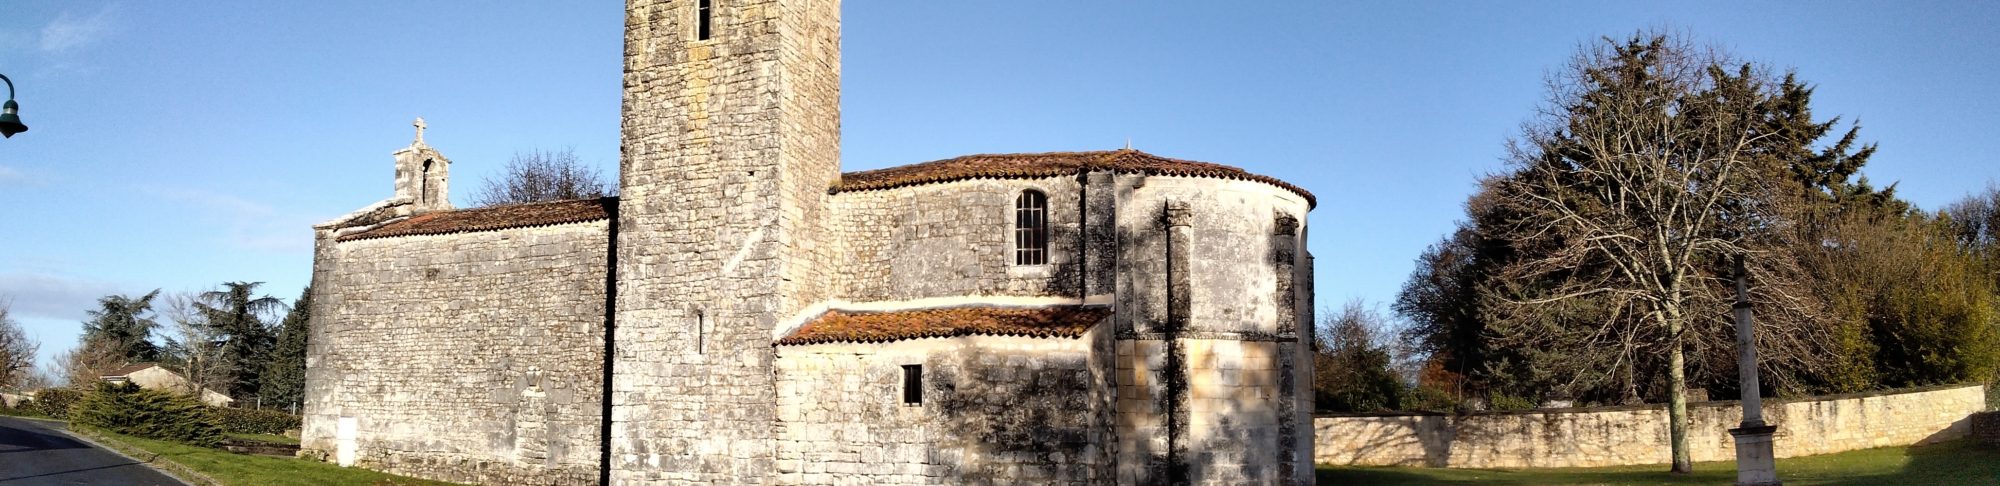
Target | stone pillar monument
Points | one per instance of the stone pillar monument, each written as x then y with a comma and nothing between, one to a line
1755,463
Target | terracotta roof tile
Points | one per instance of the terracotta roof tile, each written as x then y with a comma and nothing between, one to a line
1009,166
494,217
877,327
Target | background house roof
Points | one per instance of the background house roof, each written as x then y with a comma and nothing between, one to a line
130,369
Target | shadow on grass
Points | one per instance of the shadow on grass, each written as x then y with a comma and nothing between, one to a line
1957,462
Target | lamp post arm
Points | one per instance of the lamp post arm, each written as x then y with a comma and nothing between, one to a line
10,87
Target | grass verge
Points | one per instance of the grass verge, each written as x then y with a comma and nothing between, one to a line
216,466
1957,462
271,438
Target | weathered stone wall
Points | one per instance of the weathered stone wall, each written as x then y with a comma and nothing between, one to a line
1208,326
729,145
996,410
951,239
1233,275
1628,436
469,357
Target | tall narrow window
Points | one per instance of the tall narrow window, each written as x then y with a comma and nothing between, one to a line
913,384
700,332
702,11
1031,229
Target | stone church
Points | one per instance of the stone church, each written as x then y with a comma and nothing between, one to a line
746,313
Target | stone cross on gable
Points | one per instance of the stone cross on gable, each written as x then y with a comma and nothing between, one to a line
420,129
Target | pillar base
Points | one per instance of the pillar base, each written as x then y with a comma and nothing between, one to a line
1756,464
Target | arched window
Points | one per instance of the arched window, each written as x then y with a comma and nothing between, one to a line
1031,229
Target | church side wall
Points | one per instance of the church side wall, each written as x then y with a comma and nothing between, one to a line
470,357
952,239
996,410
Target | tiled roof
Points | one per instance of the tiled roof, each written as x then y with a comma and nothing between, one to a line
876,327
494,217
130,369
1009,166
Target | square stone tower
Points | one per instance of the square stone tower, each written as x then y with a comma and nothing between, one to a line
730,142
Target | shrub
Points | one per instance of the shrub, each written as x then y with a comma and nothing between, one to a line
251,421
1502,401
55,402
26,409
153,414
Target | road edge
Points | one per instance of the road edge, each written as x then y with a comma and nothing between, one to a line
182,472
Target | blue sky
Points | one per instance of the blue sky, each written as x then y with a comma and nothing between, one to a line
178,145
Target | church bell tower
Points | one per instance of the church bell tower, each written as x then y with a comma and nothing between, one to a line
730,142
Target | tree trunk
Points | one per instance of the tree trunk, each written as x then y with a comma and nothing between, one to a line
1677,406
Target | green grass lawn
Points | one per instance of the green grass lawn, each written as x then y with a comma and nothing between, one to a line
1959,462
232,468
272,438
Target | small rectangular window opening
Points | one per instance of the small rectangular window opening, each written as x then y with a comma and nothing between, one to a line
913,384
702,10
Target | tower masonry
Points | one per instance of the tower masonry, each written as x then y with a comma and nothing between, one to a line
731,139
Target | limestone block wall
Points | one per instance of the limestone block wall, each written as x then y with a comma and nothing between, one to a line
1211,307
951,239
1638,435
1232,267
996,410
471,357
1232,409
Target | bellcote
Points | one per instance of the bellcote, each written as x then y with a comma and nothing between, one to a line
422,174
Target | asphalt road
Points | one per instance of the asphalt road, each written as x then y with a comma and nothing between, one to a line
36,452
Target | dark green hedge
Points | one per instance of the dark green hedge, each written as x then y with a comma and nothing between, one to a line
55,402
153,414
250,421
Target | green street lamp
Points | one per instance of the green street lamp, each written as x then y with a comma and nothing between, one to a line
10,113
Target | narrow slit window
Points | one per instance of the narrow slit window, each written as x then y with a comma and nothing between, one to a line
1031,229
700,332
703,9
424,183
913,384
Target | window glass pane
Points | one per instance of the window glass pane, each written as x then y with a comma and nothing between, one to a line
1031,229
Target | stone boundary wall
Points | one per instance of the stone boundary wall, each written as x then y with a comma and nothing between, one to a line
1617,436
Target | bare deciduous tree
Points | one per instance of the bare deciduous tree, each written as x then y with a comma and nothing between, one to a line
193,344
542,176
17,350
1642,178
87,363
